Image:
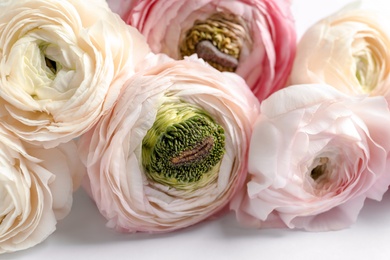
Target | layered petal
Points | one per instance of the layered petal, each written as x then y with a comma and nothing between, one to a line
348,50
315,156
255,39
36,189
173,150
62,65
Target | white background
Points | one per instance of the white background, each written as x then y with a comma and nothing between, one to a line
83,235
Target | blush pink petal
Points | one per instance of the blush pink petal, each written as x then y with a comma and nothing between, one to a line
299,125
116,180
265,64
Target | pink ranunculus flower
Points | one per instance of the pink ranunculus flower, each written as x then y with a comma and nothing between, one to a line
62,64
254,38
173,150
316,155
36,186
348,50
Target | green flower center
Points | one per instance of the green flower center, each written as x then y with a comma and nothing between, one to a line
218,40
48,64
184,147
368,64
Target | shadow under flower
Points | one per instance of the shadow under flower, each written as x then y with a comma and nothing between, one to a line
374,214
86,225
85,229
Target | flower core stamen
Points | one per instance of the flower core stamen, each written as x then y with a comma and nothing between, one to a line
197,153
368,63
320,169
51,65
218,40
183,147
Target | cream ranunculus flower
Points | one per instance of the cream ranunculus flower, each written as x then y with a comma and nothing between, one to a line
36,186
348,50
316,155
173,150
62,64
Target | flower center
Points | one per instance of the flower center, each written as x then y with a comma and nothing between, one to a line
197,153
367,65
49,65
218,40
320,169
184,146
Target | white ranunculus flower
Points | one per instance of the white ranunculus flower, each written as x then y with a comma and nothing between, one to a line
62,64
35,190
348,50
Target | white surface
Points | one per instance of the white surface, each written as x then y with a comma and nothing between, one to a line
83,235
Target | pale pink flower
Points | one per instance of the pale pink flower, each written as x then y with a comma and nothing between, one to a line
348,50
254,38
36,188
173,150
62,65
316,155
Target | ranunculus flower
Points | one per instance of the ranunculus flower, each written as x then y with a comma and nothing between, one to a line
36,188
254,38
348,50
173,150
62,64
316,155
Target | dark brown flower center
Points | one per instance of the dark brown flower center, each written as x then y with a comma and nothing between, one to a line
196,154
320,169
52,65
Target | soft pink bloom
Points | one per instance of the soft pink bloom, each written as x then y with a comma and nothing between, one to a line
316,155
36,187
62,65
112,151
348,50
264,30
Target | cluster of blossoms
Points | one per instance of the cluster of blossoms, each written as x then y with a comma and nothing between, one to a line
170,112
320,147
